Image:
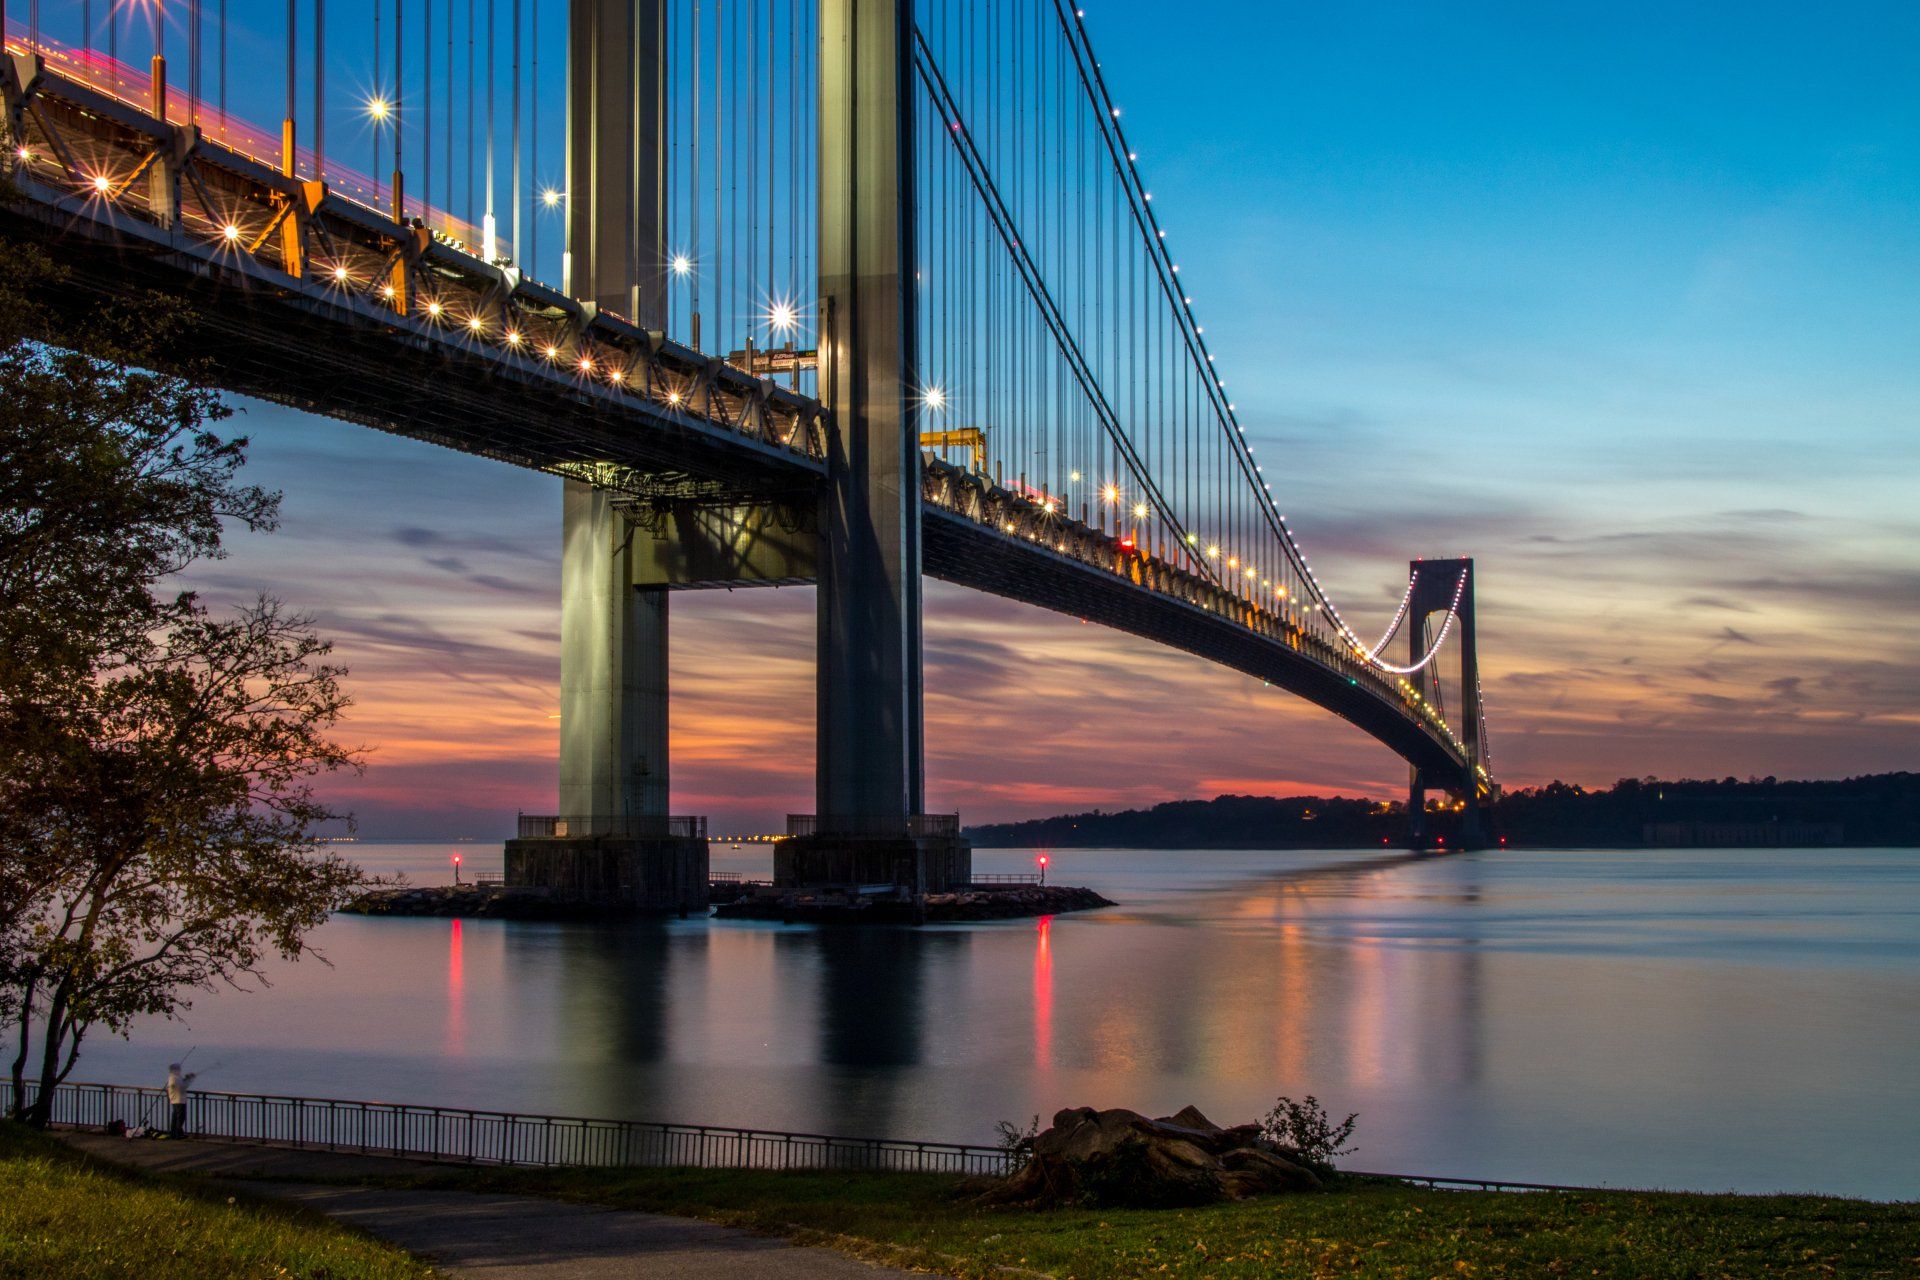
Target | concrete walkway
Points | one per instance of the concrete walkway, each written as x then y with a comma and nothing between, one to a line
492,1237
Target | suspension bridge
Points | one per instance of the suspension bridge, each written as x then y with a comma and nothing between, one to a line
842,292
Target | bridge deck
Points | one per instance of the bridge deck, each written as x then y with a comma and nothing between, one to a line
303,298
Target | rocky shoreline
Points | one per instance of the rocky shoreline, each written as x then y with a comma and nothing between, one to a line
998,903
484,902
500,902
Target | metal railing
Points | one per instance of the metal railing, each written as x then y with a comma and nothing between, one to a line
497,1137
546,826
510,1138
1006,877
917,826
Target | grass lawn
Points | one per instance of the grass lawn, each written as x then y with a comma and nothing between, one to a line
64,1217
1365,1230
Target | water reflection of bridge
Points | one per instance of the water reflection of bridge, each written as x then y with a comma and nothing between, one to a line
1310,979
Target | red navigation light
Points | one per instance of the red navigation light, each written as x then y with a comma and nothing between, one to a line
1442,840
1044,859
1126,543
1503,840
456,859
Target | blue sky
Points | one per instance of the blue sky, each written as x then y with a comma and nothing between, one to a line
1622,299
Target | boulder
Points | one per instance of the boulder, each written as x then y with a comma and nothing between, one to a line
1121,1159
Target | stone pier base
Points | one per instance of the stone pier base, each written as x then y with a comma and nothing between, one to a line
659,874
916,865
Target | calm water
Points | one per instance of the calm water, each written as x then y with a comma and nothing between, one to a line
1704,1019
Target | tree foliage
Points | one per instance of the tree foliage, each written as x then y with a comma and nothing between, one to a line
156,759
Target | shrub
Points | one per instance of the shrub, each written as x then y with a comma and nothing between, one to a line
1305,1127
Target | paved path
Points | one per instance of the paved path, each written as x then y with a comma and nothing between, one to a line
495,1237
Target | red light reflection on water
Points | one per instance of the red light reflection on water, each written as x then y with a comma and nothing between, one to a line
456,990
1043,993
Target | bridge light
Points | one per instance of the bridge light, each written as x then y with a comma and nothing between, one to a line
1192,538
586,364
1213,553
378,107
783,317
476,324
230,232
340,274
434,309
1139,511
552,352
682,265
103,184
550,198
25,154
673,397
386,291
1111,493
513,337
936,399
1074,476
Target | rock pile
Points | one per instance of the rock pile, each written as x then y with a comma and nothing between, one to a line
1121,1159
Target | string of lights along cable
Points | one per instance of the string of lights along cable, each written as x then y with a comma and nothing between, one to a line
1062,358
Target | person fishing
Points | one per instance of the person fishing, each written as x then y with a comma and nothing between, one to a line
178,1081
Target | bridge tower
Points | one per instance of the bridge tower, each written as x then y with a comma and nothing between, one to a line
613,837
1435,584
870,780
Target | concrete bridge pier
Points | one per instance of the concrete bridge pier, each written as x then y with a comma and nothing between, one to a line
1417,834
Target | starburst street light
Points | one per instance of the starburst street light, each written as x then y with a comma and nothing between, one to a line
1139,511
936,399
682,264
378,108
550,198
783,317
1111,493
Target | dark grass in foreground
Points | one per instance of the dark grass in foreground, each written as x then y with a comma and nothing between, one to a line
1361,1230
65,1217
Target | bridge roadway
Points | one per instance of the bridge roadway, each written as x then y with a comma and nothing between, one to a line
300,297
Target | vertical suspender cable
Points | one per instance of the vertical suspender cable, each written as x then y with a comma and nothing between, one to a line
319,89
293,82
533,134
193,59
488,233
469,208
518,192
693,190
446,122
379,96
426,112
399,84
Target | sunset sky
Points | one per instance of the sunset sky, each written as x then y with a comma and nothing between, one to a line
1621,299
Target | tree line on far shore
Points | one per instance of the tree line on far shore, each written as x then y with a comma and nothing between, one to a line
1873,810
